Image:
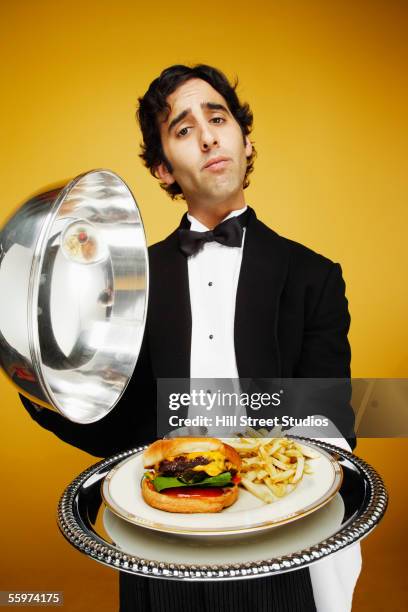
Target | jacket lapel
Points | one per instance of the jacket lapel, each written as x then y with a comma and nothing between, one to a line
263,273
169,311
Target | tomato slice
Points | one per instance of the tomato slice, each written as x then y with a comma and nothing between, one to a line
193,491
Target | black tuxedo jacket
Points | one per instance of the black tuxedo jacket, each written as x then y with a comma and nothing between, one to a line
291,320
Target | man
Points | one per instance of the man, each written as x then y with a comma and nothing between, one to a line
228,298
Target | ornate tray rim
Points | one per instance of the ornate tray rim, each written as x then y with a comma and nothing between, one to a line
80,537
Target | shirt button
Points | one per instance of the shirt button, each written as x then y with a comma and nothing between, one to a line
211,336
210,284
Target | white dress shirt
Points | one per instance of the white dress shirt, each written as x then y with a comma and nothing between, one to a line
213,274
213,278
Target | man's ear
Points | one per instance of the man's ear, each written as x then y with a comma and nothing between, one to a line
163,173
248,147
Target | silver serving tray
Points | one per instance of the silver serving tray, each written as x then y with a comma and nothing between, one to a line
87,524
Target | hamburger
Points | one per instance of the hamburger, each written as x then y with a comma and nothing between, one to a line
190,475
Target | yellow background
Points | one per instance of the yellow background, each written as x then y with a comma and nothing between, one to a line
327,83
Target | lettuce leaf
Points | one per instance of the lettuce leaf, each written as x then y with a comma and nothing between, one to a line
167,482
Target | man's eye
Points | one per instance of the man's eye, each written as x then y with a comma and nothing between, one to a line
218,119
183,131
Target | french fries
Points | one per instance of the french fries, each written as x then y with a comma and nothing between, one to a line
272,467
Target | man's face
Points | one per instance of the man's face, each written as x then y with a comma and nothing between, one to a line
204,145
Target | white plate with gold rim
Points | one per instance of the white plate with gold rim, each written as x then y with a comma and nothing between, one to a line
122,494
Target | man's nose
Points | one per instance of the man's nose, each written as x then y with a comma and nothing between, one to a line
209,138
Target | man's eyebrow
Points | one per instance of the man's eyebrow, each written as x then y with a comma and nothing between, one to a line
215,106
177,119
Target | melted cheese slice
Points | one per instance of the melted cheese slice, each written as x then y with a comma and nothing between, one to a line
217,465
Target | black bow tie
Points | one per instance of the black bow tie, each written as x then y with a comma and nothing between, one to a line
228,233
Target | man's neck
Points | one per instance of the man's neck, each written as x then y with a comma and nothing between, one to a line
212,215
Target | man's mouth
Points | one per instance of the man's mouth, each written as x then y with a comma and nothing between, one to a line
216,163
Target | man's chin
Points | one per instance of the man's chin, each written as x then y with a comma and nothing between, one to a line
220,192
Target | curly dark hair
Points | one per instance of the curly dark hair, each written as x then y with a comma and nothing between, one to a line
153,104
